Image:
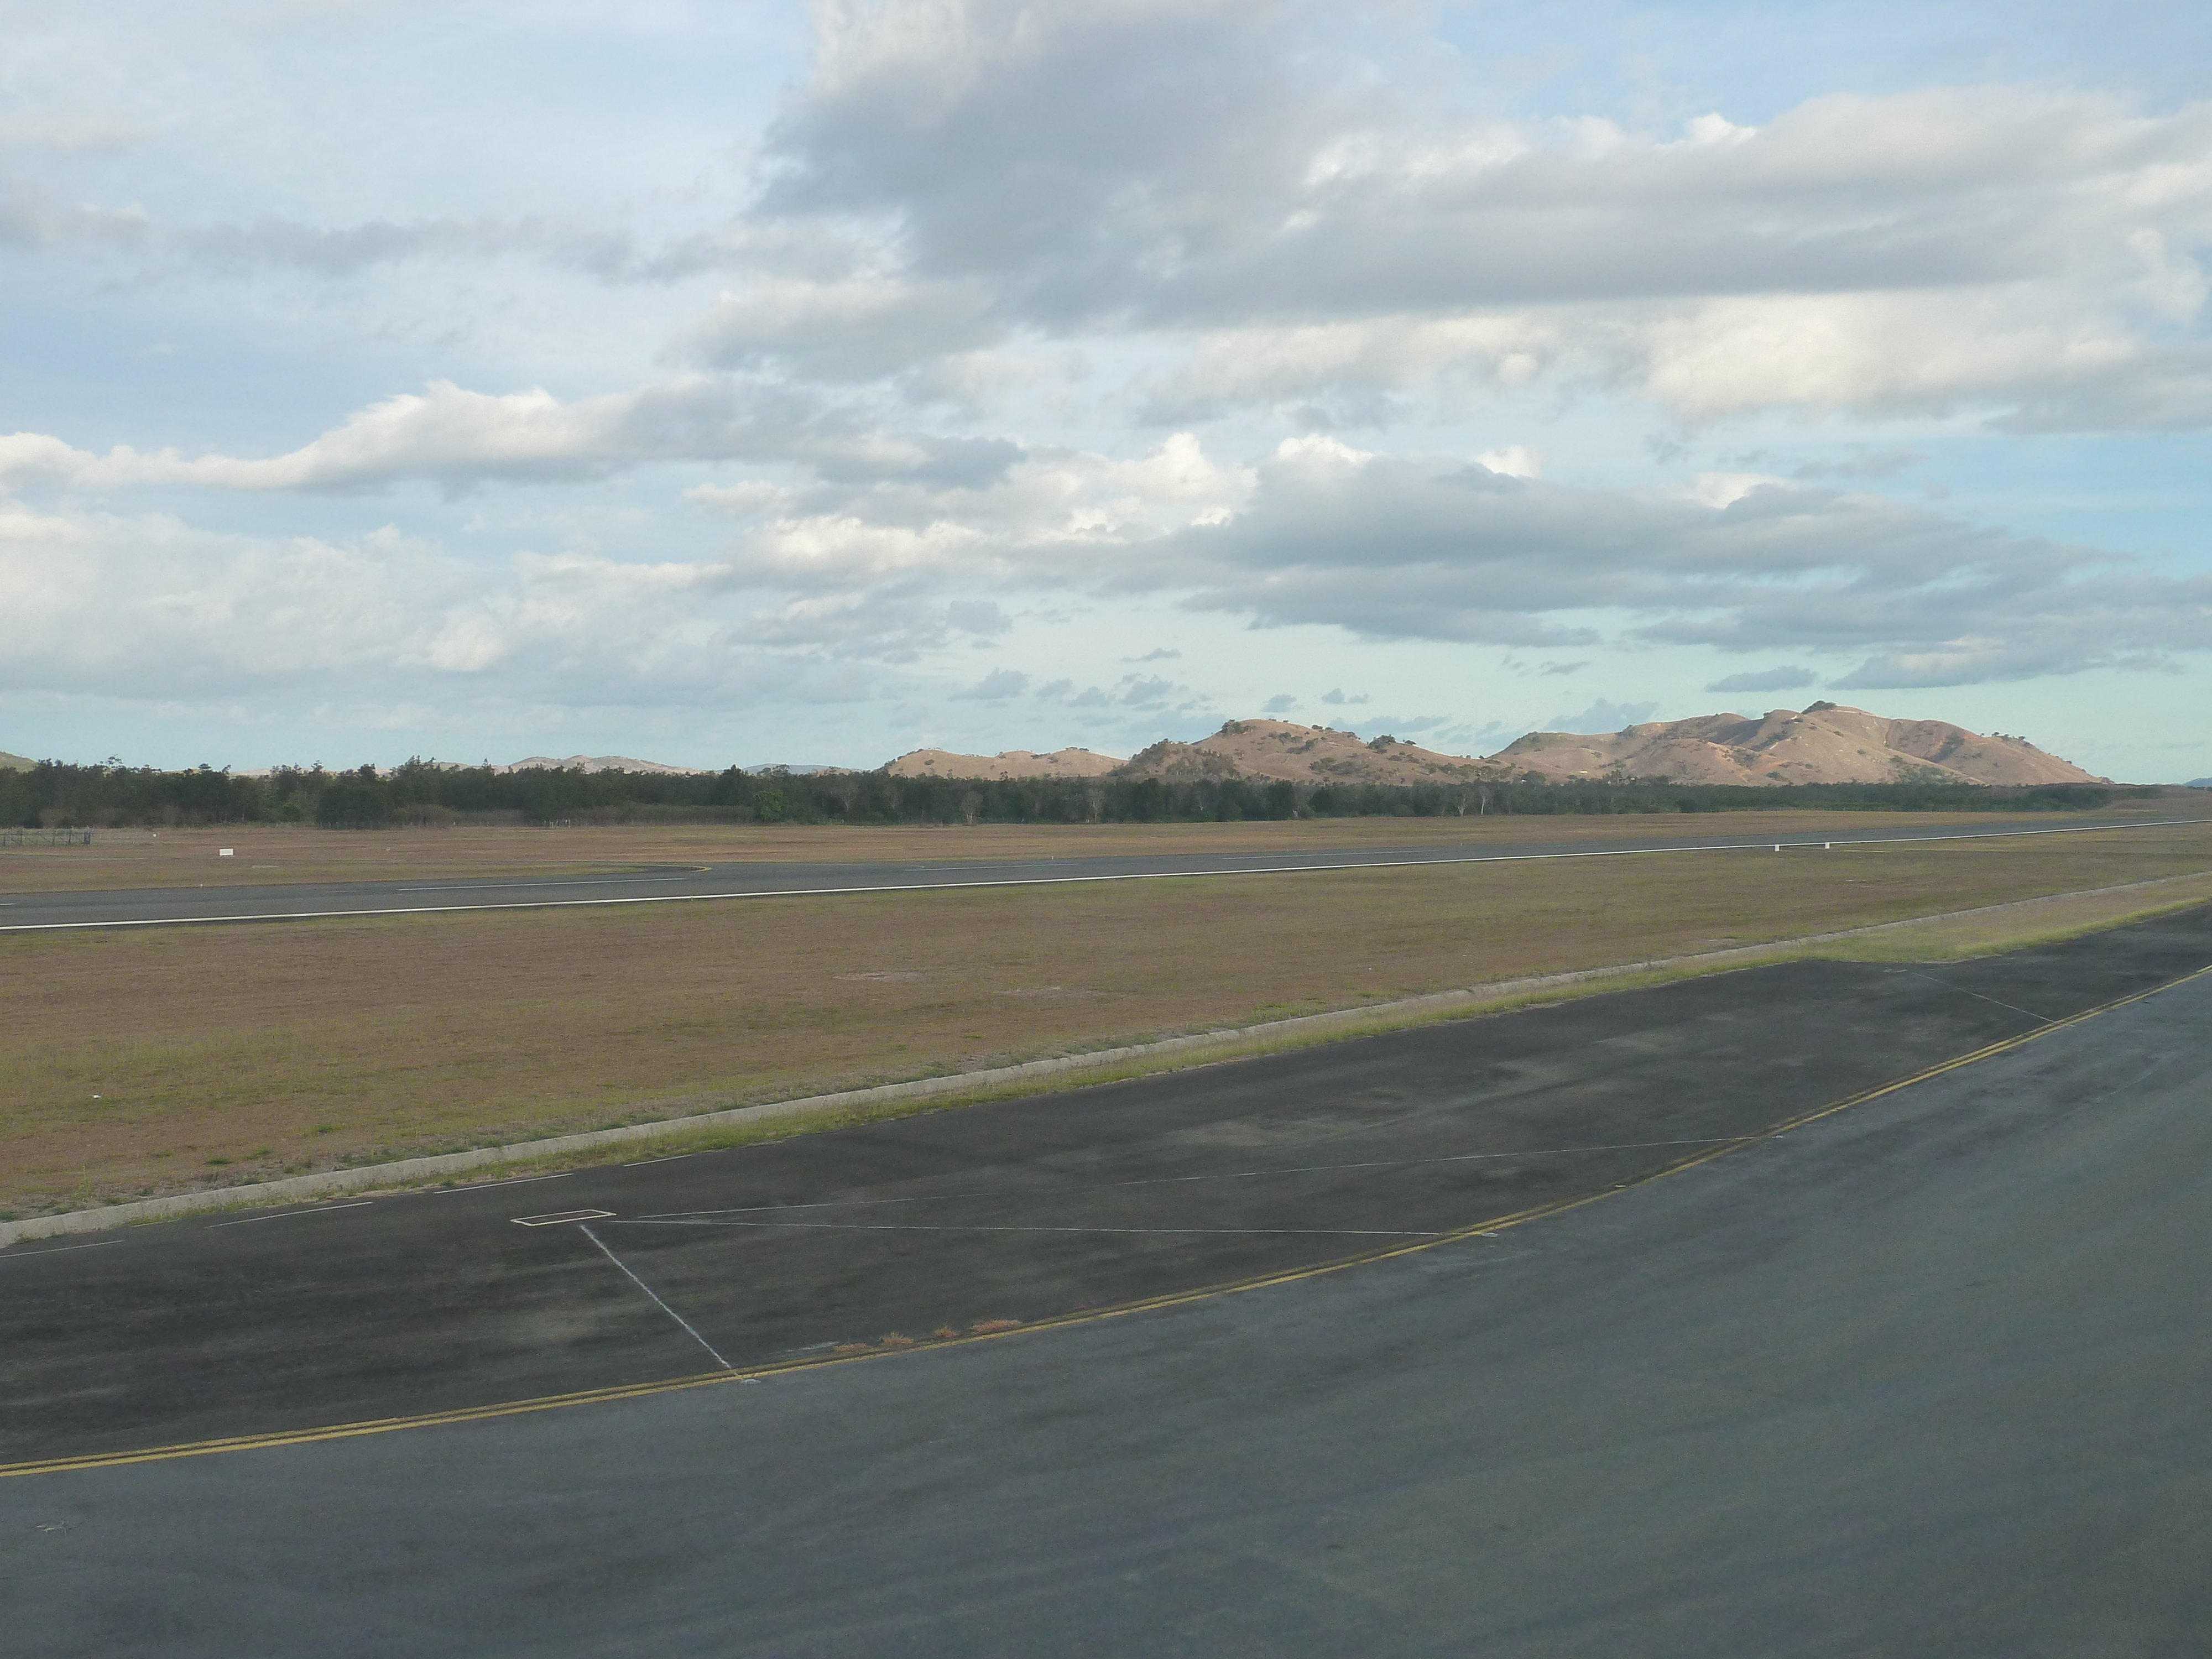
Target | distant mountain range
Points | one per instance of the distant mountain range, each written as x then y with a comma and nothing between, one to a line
1825,742
599,764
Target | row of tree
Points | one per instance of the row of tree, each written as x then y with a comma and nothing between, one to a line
52,794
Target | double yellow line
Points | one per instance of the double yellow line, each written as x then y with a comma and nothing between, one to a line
1171,1299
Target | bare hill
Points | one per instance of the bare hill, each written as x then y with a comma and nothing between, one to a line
15,762
601,764
1014,763
1301,754
1826,743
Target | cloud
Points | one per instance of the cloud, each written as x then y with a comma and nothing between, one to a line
890,546
1402,547
1602,716
1514,461
459,438
997,686
1868,464
855,328
1281,703
148,607
1273,193
1335,698
1767,680
32,219
1389,547
1251,179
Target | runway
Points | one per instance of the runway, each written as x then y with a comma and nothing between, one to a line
29,913
1922,1374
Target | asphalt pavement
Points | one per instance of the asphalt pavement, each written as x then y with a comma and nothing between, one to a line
23,912
1923,1376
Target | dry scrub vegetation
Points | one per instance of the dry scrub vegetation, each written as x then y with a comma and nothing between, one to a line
167,1059
269,854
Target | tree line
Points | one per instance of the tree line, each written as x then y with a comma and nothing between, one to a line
54,794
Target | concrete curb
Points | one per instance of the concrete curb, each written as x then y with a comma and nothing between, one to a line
1342,1022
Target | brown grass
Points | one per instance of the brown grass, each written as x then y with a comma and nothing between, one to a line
274,854
303,1045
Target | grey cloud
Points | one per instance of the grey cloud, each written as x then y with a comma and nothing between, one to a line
33,219
2168,389
1767,680
460,439
892,621
1390,548
941,463
346,250
1134,166
1602,716
997,686
1868,464
1196,165
1148,691
845,331
151,609
1281,703
979,617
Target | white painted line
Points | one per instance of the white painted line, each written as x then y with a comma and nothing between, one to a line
286,1215
1063,881
558,1217
656,1301
24,1256
673,1158
922,1227
2012,1007
516,1180
499,886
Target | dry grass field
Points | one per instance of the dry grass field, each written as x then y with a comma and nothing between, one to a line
276,853
163,1060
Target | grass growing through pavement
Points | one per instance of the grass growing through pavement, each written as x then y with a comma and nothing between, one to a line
307,1045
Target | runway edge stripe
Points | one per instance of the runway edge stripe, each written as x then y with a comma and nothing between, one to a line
1066,881
1089,1317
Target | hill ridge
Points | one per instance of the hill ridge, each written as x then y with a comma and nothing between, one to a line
1822,743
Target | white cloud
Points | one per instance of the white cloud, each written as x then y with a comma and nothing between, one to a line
994,334
149,607
1306,230
449,435
1602,716
1764,679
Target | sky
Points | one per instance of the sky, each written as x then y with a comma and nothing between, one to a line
760,382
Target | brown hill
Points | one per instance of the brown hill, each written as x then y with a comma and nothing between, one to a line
1825,744
1014,763
1302,754
601,764
15,762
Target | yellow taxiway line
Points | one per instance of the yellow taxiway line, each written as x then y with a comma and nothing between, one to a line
1061,1322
